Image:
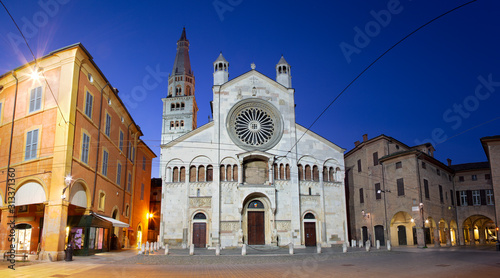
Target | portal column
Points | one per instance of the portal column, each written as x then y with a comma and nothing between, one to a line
54,231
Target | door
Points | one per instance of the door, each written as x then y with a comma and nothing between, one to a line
379,234
310,233
199,235
256,228
365,234
402,235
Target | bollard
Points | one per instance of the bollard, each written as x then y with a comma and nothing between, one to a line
143,249
290,248
217,250
244,250
147,248
368,245
377,244
191,250
318,248
166,249
353,243
389,245
344,247
360,244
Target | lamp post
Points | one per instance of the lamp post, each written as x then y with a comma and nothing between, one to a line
423,223
387,228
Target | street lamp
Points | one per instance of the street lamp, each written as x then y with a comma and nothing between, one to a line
67,181
423,223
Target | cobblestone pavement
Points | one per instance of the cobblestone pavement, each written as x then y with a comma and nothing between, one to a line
480,261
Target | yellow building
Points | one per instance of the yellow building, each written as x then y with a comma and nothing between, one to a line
71,159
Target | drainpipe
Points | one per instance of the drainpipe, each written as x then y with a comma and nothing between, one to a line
11,137
126,173
98,143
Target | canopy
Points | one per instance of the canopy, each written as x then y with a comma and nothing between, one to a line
113,221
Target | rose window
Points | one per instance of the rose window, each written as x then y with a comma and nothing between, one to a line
254,124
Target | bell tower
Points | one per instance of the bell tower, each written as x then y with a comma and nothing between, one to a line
179,107
283,74
221,70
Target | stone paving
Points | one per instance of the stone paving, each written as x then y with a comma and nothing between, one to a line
265,262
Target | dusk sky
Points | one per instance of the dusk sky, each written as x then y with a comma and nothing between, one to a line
440,85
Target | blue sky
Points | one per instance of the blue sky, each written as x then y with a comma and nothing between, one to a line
442,84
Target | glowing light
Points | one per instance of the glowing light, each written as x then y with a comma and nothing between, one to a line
68,179
412,220
426,221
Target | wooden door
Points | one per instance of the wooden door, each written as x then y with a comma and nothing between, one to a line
256,232
402,235
310,233
199,235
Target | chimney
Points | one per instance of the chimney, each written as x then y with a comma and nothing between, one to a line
365,137
356,143
449,161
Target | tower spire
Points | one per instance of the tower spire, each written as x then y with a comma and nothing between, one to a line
182,64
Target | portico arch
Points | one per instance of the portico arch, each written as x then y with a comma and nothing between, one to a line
402,229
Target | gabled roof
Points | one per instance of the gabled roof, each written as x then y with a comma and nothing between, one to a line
256,73
318,137
182,138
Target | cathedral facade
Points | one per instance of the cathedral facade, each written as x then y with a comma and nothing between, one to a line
252,175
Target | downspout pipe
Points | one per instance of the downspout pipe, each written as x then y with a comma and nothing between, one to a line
11,137
98,144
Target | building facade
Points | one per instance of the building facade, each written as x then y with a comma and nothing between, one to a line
399,193
245,177
75,158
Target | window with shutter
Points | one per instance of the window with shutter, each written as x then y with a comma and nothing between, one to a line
401,187
31,144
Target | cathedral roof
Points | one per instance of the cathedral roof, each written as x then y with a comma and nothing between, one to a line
182,64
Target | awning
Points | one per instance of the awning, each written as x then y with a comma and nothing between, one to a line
115,222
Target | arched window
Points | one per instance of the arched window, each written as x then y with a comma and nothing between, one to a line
182,175
325,173
331,173
307,173
198,192
199,216
188,90
171,124
175,175
182,105
275,167
310,192
282,172
222,173
172,107
287,171
182,123
201,173
235,172
301,173
176,124
177,106
210,173
309,216
192,174
255,205
127,210
315,173
229,173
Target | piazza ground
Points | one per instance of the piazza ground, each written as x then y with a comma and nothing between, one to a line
400,262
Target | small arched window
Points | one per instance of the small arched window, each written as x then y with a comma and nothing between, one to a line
222,173
301,173
315,173
331,174
282,172
182,174
182,123
325,173
172,107
287,169
171,124
235,172
199,216
276,171
182,105
198,192
229,173
201,173
310,192
256,205
210,173
192,174
175,175
308,173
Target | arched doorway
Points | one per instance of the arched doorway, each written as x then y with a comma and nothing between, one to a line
200,230
379,234
256,223
139,236
479,229
310,229
364,234
402,235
